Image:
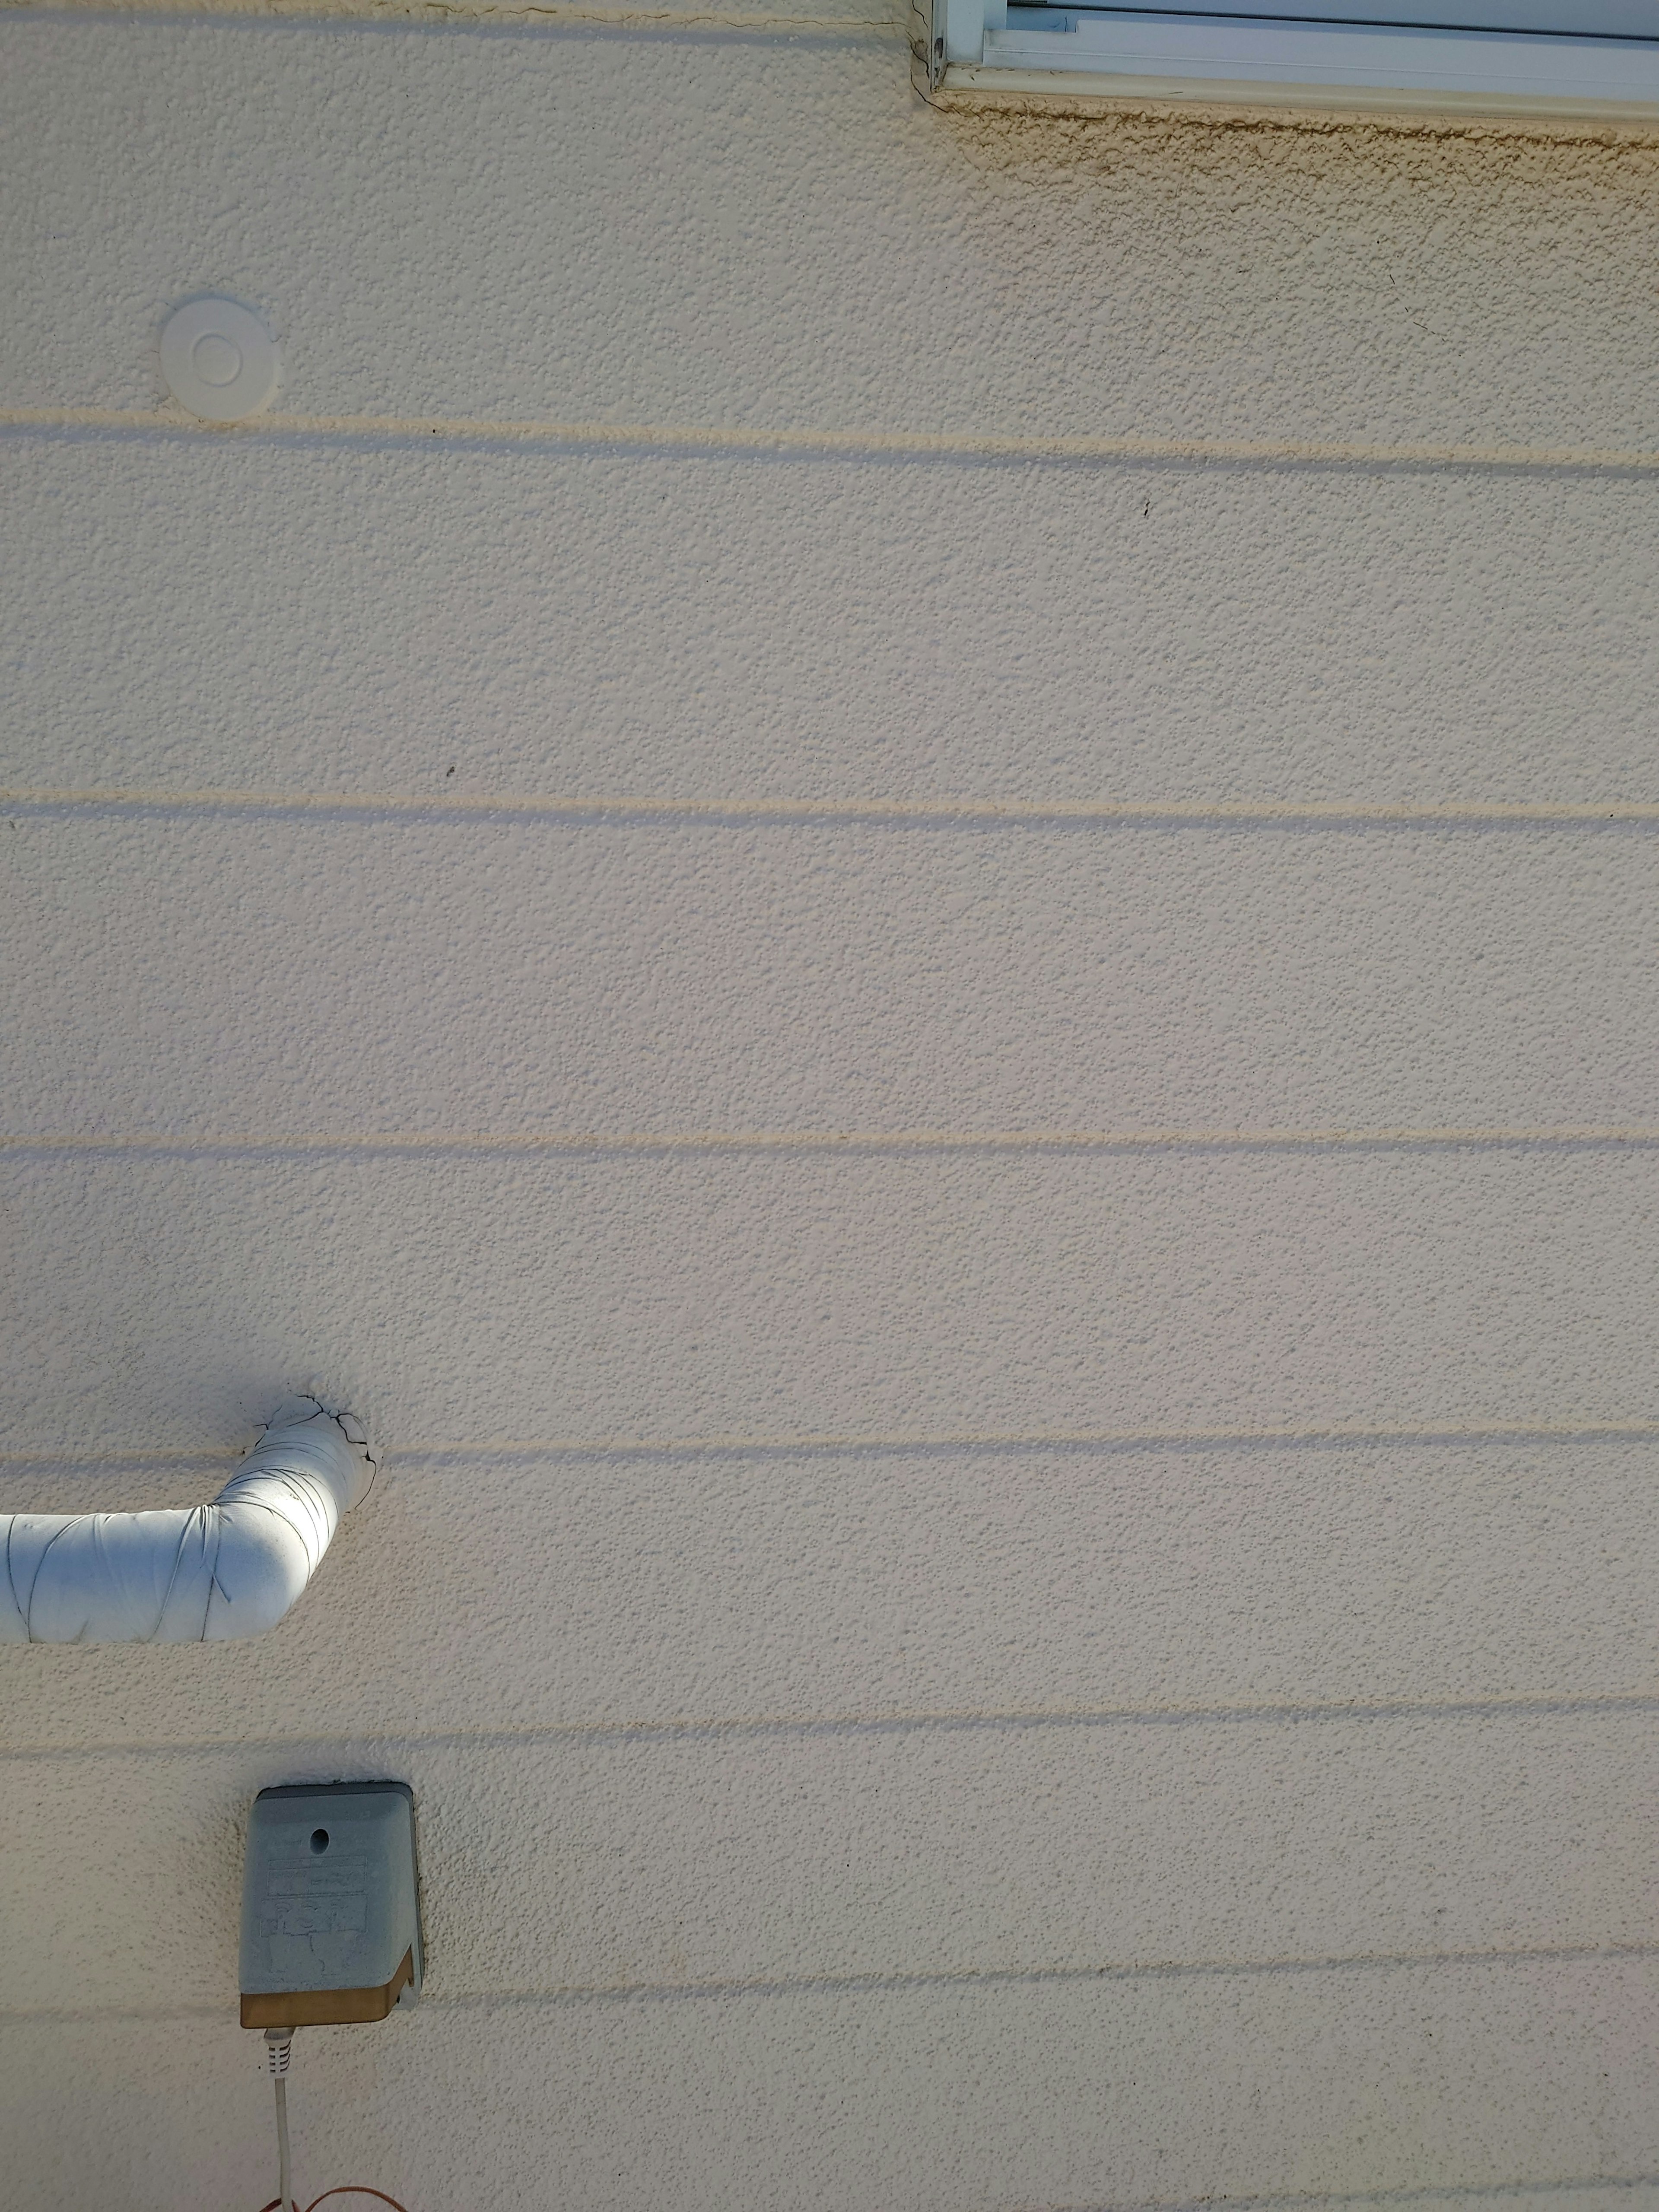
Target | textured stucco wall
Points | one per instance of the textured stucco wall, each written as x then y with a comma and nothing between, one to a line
1030,1262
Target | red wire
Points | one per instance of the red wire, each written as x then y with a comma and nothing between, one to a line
345,2188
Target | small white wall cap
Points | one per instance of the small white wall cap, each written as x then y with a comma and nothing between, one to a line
219,360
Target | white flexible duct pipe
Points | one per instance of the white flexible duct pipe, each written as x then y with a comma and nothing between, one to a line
196,1574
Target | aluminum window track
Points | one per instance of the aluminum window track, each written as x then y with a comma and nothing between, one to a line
985,53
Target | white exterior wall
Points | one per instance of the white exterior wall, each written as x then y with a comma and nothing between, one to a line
1013,1301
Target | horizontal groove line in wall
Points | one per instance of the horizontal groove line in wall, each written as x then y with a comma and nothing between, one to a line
904,445
940,813
1150,1969
1428,2193
752,1444
947,1980
188,1455
477,16
369,1745
645,1142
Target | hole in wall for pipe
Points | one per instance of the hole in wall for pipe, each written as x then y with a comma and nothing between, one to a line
319,1840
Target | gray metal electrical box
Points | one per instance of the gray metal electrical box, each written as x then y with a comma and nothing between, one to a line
331,1912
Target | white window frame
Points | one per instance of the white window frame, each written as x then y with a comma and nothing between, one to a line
976,52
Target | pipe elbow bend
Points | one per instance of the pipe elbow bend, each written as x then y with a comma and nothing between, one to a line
229,1570
261,1567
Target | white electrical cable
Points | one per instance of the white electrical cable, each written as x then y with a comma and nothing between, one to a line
190,1575
278,2048
284,2189
278,2045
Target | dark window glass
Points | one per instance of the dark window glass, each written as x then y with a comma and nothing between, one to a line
1602,18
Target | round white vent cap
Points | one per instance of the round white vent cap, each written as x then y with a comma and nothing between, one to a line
219,360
